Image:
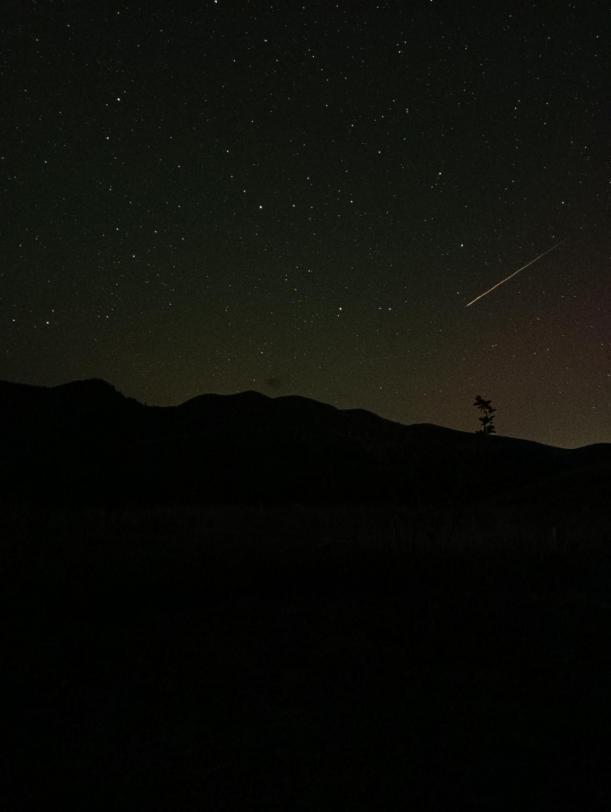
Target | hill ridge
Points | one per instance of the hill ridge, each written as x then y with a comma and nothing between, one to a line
86,442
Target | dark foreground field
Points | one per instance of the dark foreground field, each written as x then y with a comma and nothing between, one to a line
305,658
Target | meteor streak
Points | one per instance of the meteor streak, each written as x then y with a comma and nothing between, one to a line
511,275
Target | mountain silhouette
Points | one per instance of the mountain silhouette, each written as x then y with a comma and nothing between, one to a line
214,602
84,442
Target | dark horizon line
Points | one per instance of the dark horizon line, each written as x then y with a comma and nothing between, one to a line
145,404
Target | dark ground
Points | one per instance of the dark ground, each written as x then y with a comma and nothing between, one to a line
301,659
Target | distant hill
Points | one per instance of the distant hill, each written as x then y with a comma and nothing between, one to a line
85,443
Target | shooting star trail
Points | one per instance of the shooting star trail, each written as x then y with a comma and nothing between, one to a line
515,273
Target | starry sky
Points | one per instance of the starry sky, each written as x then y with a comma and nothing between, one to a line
302,197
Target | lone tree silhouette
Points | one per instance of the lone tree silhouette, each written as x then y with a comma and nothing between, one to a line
487,418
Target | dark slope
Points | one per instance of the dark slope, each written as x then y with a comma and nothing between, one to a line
289,657
85,442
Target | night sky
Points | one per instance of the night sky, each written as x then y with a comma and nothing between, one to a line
301,198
